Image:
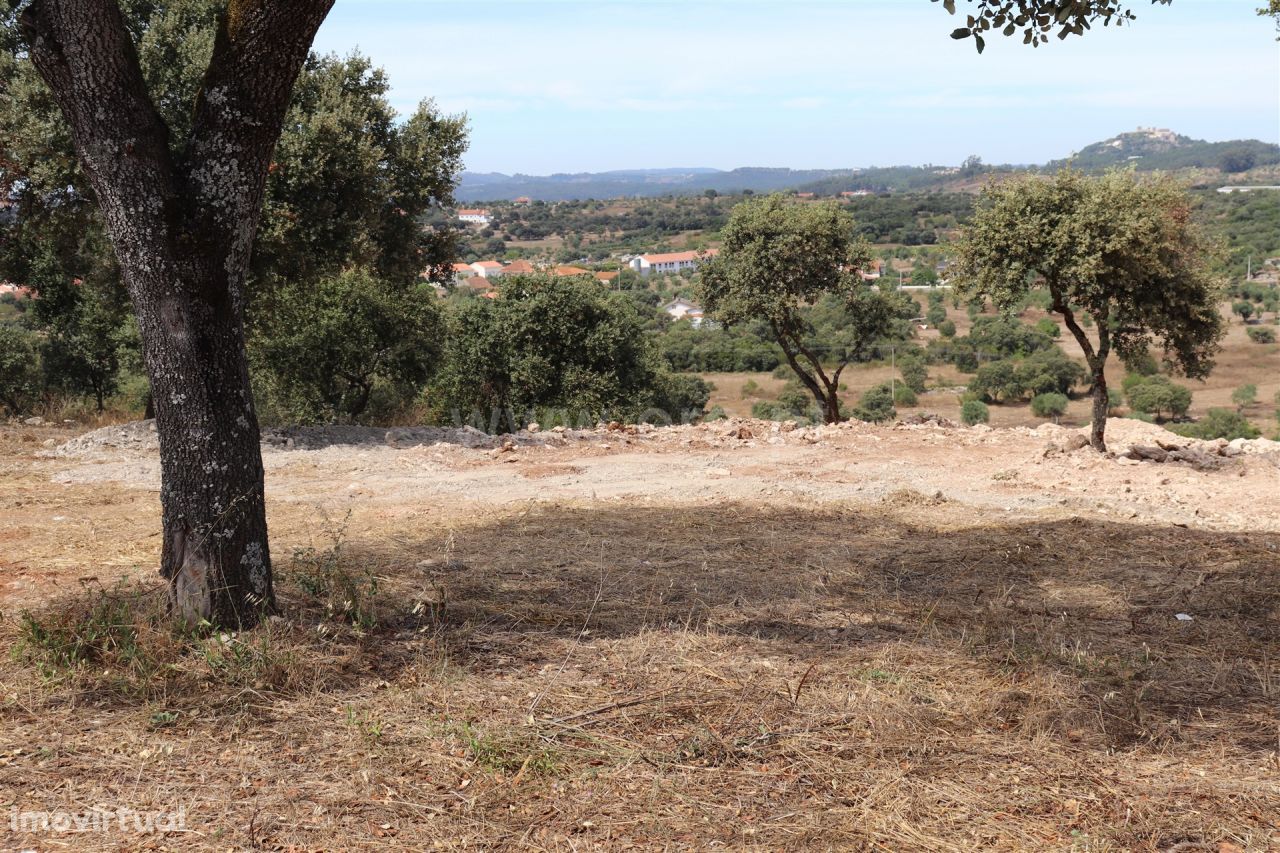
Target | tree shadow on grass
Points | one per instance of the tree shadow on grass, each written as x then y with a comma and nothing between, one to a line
1093,604
1104,605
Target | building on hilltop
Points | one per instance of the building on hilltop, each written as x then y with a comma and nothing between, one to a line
478,216
671,262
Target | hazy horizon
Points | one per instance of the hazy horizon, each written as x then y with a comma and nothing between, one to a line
572,86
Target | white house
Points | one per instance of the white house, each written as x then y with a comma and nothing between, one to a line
476,215
682,309
487,269
671,262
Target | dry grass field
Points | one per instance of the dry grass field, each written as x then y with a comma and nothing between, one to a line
862,639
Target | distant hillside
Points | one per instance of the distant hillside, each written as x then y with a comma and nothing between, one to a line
1146,149
493,186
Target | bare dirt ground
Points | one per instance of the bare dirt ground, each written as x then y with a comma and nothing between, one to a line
735,635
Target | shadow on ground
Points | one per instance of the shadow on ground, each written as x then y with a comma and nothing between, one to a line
1159,625
914,675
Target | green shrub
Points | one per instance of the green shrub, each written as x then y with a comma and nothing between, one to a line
1048,326
876,404
1132,380
796,398
1046,371
1245,395
914,374
974,412
715,413
19,369
682,397
552,344
750,388
947,329
1218,423
1049,405
904,396
1115,399
772,410
1261,334
936,316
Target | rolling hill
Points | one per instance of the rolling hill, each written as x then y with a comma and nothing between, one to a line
1145,149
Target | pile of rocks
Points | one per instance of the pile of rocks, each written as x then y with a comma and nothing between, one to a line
138,436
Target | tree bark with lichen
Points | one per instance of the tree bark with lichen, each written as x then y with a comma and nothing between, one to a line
182,221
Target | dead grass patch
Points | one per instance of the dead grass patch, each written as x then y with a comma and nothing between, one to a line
911,676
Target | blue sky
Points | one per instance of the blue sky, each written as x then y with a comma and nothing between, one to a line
567,85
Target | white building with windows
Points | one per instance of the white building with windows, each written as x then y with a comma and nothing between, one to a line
478,216
672,262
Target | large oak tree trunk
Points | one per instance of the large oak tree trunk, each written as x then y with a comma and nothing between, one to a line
182,223
215,552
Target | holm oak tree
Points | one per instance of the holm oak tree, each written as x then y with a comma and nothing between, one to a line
182,220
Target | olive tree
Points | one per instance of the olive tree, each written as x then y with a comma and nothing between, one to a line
795,266
1119,250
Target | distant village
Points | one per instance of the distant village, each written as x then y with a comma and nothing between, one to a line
479,277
